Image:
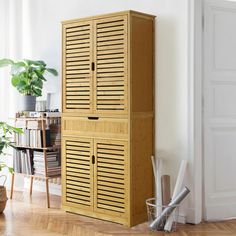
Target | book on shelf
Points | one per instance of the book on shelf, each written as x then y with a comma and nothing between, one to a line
33,138
33,163
23,161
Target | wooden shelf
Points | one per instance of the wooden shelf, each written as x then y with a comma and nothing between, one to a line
38,148
28,161
38,176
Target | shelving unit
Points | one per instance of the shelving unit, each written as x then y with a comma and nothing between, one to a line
42,125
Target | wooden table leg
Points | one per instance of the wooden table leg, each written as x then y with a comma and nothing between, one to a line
12,185
47,192
31,184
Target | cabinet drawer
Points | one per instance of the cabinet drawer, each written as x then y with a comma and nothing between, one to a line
95,127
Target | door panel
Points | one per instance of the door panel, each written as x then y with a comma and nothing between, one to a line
219,109
111,178
110,39
78,172
77,76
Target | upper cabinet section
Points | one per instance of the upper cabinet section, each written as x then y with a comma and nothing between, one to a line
110,93
77,73
97,64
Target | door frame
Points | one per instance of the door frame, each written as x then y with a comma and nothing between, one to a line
195,108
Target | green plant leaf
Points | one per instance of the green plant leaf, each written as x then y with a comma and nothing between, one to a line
21,84
17,130
38,92
15,80
36,63
5,62
52,71
2,145
38,83
40,75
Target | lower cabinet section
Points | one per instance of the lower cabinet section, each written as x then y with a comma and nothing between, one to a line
95,177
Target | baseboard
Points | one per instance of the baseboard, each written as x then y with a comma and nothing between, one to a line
191,217
182,219
220,212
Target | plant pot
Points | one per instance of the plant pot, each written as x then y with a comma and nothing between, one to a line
27,103
3,198
3,195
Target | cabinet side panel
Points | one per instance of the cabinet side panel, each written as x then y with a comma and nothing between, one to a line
142,63
141,167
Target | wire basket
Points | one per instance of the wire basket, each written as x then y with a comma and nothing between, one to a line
155,211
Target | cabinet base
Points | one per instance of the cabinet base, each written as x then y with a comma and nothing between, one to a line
97,215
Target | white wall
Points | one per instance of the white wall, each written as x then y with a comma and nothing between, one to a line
43,26
41,39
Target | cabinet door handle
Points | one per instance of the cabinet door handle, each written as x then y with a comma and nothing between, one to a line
93,66
93,159
93,118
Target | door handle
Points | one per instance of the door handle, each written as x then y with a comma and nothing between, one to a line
93,66
93,118
93,159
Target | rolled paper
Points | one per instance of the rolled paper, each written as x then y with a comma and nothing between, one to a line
157,168
154,168
158,188
159,222
177,189
165,187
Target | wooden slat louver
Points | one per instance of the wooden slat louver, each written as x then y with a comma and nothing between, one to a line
108,65
78,66
111,60
79,173
110,177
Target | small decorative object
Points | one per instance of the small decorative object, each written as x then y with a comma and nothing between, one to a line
27,78
40,106
3,195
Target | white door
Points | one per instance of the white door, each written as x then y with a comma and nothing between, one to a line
219,75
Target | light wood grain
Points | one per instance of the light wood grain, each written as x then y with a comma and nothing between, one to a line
121,111
25,216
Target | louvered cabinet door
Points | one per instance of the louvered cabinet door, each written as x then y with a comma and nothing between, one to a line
110,85
77,74
111,177
78,176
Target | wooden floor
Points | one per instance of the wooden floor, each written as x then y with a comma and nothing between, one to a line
25,216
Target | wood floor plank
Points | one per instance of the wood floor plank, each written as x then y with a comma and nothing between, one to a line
25,216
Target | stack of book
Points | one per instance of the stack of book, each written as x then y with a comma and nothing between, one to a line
23,162
53,163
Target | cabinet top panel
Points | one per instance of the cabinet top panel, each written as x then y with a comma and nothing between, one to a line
129,12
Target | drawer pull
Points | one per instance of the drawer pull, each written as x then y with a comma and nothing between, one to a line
93,118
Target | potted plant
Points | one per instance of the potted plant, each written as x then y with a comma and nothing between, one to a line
5,141
27,78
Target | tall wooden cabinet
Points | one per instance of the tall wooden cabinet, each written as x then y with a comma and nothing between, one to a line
108,116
